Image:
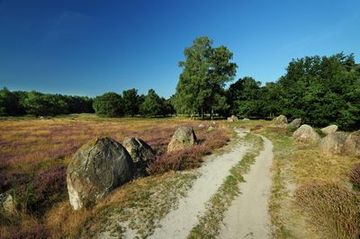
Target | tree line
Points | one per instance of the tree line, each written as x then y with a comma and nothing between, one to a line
320,90
110,104
17,103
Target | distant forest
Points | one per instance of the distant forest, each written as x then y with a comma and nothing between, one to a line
320,90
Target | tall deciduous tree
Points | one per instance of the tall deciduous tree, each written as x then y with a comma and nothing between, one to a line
205,71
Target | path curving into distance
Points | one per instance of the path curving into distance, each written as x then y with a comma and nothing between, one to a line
179,222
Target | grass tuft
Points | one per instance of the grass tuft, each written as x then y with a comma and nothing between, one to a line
333,209
355,177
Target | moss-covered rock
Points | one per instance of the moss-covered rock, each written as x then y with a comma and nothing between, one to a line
183,138
97,168
141,153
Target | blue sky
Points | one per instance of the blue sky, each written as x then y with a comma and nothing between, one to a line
90,47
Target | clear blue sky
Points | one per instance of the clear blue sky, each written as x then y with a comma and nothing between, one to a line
92,46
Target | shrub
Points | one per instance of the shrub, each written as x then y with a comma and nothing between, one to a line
47,188
355,177
332,209
37,231
9,180
179,160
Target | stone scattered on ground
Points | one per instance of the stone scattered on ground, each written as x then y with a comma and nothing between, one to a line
306,134
352,144
7,203
281,119
211,128
294,124
96,169
202,126
245,119
183,138
333,143
329,129
232,118
141,153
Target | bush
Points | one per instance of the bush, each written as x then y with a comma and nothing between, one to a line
332,209
355,177
47,188
179,160
9,180
37,231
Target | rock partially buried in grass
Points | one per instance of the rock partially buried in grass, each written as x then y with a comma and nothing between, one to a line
211,128
183,138
333,143
293,125
352,144
232,118
97,168
306,134
329,129
141,153
7,203
281,119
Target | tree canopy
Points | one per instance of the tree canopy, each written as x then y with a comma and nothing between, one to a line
205,71
109,104
320,90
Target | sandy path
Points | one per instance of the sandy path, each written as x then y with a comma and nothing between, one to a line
179,222
248,216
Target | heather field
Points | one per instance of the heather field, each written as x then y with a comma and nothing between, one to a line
35,154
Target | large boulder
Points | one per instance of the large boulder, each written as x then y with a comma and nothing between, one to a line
232,118
306,134
183,137
294,124
281,119
97,168
352,144
141,153
329,129
333,143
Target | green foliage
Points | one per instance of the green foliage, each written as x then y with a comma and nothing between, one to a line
9,104
320,90
132,102
152,105
205,71
35,103
109,104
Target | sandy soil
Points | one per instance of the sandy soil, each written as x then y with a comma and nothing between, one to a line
248,215
179,222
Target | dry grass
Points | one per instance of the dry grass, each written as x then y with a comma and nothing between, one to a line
354,176
139,204
34,150
296,171
333,209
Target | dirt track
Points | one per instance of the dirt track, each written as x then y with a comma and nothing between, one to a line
248,216
178,223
